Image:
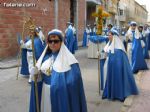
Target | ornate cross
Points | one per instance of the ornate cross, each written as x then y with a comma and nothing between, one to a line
100,14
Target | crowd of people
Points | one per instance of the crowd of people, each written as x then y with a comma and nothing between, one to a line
57,71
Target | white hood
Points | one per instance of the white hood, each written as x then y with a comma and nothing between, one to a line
116,44
63,61
129,33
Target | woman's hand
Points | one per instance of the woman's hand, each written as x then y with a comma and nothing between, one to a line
34,71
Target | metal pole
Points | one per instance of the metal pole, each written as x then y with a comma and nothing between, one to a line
56,13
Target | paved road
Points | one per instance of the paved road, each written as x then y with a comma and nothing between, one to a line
14,94
142,102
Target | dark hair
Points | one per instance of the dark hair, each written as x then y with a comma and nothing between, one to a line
140,27
111,32
110,25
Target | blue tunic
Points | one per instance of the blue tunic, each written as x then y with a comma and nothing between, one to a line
145,49
24,64
84,41
138,62
70,40
38,47
120,82
67,92
148,41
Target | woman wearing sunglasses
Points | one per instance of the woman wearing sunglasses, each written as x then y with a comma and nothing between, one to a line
60,86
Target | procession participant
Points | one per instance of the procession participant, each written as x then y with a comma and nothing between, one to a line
75,36
134,49
69,38
60,86
143,37
119,80
24,71
147,35
86,35
38,49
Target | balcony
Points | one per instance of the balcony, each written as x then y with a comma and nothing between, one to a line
112,9
122,18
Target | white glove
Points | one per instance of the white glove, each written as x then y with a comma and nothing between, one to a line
21,42
34,71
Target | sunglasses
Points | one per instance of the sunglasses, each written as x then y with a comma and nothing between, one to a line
133,25
53,41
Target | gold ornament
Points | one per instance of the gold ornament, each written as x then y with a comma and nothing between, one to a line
100,14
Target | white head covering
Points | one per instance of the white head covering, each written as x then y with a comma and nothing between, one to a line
40,34
56,32
63,61
129,32
133,23
115,44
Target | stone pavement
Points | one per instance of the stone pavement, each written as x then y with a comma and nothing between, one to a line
141,102
89,74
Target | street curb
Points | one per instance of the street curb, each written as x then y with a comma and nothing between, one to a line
129,100
9,64
9,67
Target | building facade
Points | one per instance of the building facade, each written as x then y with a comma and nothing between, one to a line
47,13
141,14
130,10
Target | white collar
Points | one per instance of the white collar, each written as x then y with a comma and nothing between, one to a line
63,61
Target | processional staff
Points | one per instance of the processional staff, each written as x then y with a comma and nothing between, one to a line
31,26
19,54
100,14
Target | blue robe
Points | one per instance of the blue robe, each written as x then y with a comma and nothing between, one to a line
138,62
70,40
102,62
120,82
76,42
84,41
24,63
38,47
145,49
67,92
148,41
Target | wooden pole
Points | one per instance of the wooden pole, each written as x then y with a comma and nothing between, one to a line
98,69
35,76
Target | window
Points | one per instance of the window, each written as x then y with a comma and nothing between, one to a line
121,12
